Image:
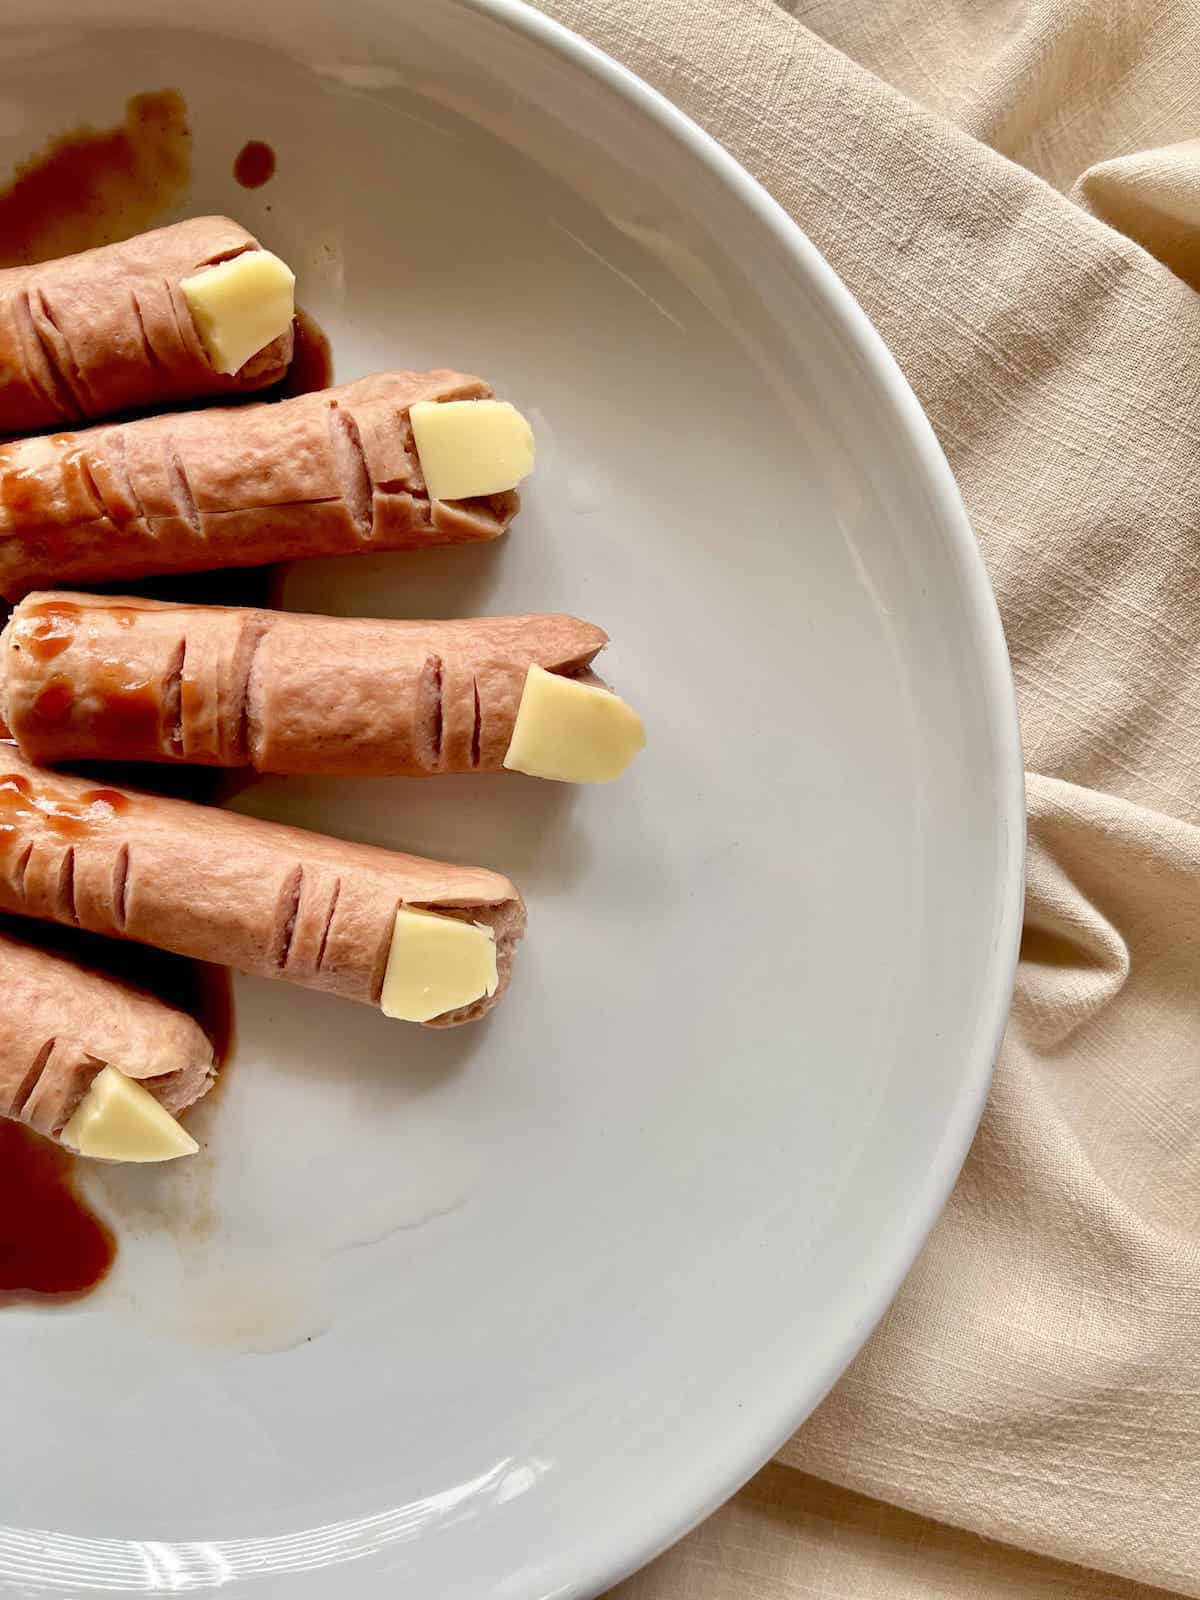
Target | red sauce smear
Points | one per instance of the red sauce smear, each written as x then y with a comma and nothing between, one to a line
50,1243
129,715
21,803
130,712
255,164
29,494
53,703
21,491
46,630
94,185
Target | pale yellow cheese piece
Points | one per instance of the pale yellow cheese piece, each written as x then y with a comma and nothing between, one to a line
240,306
120,1120
572,731
436,964
471,447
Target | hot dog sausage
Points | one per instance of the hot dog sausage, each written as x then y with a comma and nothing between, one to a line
267,899
60,1024
110,330
86,677
330,473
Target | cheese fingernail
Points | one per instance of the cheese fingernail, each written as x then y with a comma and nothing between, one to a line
437,964
240,306
118,1119
572,731
471,447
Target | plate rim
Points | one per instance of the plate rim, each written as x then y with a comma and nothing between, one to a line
612,1552
730,1470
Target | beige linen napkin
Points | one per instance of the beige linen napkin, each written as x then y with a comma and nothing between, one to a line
1030,1407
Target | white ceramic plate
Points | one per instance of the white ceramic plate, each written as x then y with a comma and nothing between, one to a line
501,1312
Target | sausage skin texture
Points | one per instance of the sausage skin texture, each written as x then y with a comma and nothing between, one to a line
60,1024
109,330
84,677
270,900
329,473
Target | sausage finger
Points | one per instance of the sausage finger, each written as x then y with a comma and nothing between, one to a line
61,1024
330,473
111,330
85,677
270,900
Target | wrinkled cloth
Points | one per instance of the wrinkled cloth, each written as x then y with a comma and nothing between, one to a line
1011,188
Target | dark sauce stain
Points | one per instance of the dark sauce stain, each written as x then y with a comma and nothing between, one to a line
95,185
312,360
51,1245
255,164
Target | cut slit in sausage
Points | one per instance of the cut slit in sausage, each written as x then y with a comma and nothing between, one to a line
24,1090
329,473
61,1024
270,900
352,473
279,691
108,330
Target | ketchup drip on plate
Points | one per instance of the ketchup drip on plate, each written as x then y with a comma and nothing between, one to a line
94,185
255,164
51,1246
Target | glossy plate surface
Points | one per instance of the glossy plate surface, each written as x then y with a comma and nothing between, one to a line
499,1312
